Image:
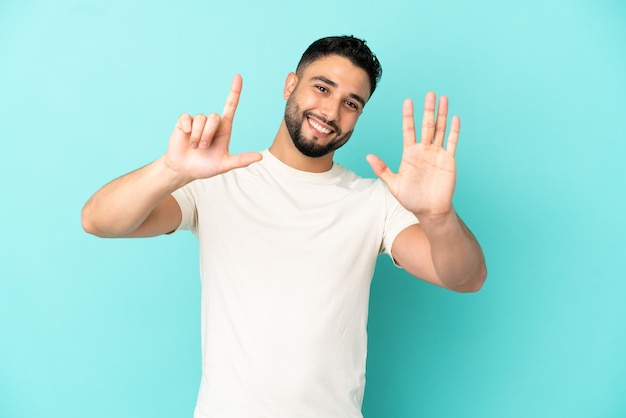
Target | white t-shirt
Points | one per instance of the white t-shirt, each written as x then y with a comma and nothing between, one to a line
286,262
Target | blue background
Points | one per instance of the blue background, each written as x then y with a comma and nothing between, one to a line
110,328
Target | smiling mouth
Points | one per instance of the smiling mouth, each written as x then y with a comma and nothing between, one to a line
318,127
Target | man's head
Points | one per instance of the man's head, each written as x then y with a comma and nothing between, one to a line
326,95
354,49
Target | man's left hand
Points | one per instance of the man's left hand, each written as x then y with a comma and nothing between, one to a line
426,178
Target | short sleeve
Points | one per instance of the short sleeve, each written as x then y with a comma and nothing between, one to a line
185,197
397,219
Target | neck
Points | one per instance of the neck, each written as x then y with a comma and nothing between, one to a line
284,149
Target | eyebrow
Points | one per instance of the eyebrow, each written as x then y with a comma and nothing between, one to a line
333,84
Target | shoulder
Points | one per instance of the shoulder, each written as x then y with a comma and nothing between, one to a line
350,179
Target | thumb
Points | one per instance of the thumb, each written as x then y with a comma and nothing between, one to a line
241,160
381,170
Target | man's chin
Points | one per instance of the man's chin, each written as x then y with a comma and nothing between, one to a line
312,150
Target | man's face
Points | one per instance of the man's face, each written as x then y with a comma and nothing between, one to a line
324,103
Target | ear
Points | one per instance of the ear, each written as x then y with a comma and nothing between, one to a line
290,84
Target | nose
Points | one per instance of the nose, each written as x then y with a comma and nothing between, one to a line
330,109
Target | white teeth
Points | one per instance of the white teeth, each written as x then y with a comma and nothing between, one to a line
319,127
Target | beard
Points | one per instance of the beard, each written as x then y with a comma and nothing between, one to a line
294,119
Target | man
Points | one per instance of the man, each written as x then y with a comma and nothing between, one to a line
289,239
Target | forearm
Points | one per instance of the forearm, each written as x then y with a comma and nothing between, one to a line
121,206
456,254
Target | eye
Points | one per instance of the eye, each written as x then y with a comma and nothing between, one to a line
322,89
352,105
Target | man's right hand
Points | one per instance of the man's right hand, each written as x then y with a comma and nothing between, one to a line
140,204
198,147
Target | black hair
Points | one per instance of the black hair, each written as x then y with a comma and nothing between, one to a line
354,49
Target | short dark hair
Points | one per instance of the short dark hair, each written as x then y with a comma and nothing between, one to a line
348,47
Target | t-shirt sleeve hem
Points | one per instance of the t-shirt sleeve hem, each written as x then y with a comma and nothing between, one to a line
184,198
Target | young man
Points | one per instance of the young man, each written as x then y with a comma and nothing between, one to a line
289,239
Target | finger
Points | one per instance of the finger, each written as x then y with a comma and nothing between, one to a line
428,120
408,123
381,170
242,160
232,101
453,136
208,132
196,130
183,123
440,126
223,133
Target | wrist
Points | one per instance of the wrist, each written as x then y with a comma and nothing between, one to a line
169,174
437,221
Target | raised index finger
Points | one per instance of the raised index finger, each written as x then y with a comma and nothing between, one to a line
232,100
408,123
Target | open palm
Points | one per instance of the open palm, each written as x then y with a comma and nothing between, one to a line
426,177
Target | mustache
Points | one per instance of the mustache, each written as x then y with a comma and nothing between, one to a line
332,124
